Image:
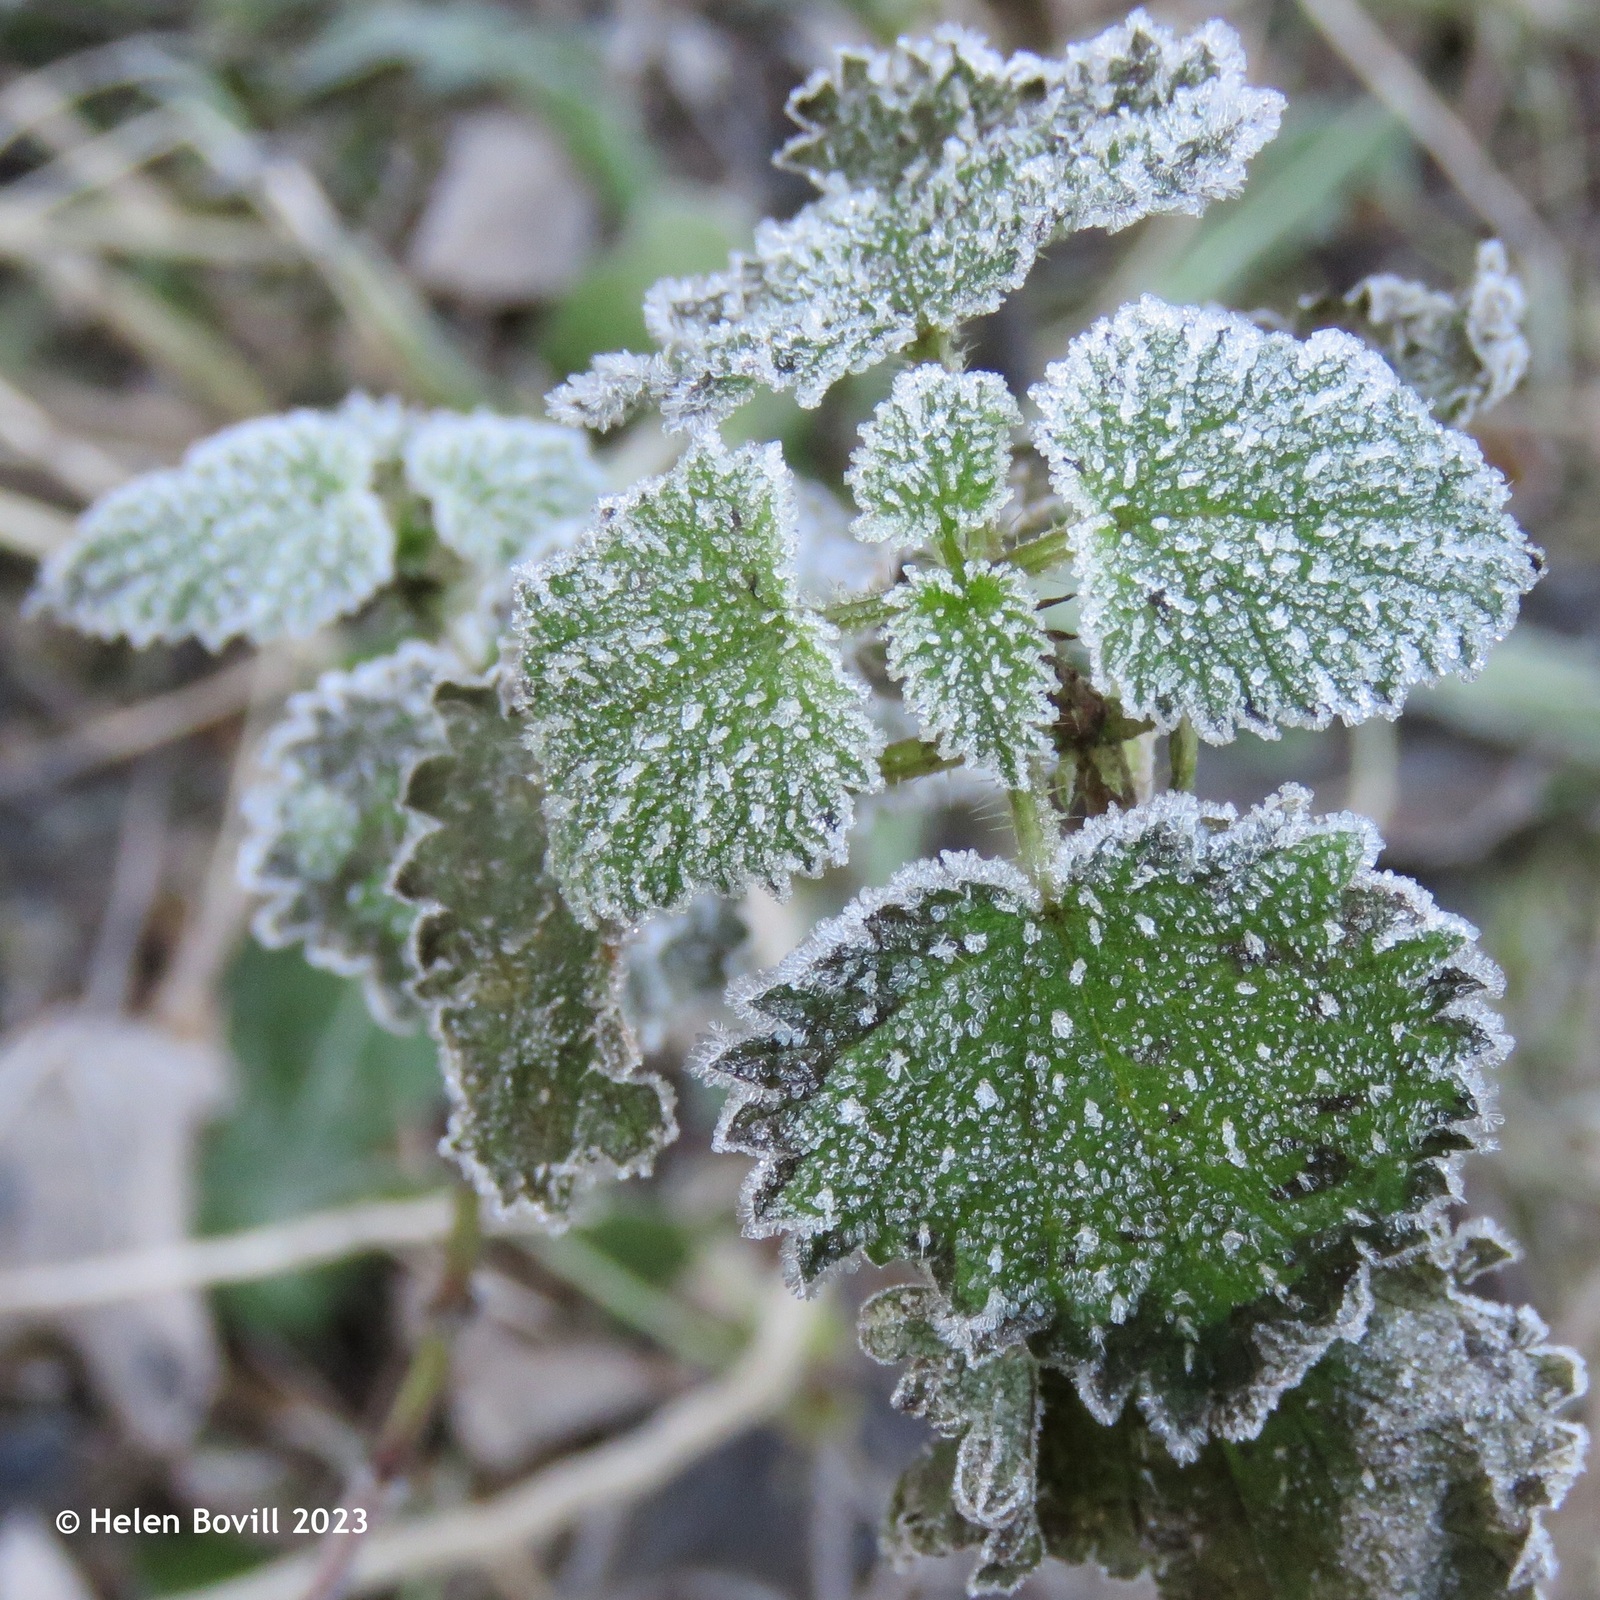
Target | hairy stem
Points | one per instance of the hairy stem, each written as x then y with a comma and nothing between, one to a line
1034,836
1046,551
858,613
912,758
1183,755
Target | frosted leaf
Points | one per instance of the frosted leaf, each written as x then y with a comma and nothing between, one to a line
325,822
1162,1124
619,384
1274,531
546,1088
934,459
944,169
268,530
975,662
1417,1462
503,489
694,724
1462,352
989,1411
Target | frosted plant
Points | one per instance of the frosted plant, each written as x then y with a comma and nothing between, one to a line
1273,531
502,489
544,1075
1462,352
944,169
1166,1114
268,530
326,820
974,659
1417,1460
934,459
693,722
1234,1058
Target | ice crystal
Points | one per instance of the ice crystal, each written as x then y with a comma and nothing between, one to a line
975,663
989,1411
1462,352
944,169
269,529
326,821
934,459
1165,1120
1275,531
545,1082
503,489
694,724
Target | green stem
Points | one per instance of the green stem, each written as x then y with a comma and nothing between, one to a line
859,613
1183,755
912,758
1034,838
1043,553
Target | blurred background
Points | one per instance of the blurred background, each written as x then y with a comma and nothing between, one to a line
215,208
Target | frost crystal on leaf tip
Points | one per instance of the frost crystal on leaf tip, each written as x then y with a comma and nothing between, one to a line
1271,1055
974,659
1462,352
546,1085
934,459
269,529
694,724
1276,532
326,820
503,489
944,169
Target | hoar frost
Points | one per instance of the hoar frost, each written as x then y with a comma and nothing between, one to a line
1104,1197
944,169
325,820
1273,531
694,724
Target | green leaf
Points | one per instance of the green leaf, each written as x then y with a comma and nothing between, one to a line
1274,532
1164,1121
268,530
1415,1460
503,489
934,459
975,662
544,1075
325,822
1462,352
944,169
693,721
985,1483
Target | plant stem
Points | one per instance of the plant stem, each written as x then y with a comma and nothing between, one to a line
1034,838
1044,552
858,613
912,758
1183,755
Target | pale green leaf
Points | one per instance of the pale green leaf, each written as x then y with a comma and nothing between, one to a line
944,169
546,1086
694,724
1462,352
1162,1123
326,821
934,459
975,662
1273,531
502,489
268,530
